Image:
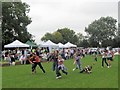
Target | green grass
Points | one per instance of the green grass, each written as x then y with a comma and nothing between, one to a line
20,76
0,78
6,61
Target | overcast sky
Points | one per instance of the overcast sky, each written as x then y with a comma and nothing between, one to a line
49,15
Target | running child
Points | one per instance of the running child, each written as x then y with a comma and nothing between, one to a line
95,57
35,60
61,67
109,57
77,61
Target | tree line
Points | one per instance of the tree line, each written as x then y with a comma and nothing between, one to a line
100,33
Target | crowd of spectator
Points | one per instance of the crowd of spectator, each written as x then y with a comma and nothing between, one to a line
22,54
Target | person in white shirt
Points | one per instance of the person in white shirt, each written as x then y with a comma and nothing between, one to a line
18,53
109,57
104,57
23,59
66,56
72,53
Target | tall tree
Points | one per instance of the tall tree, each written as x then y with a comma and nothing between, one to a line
84,43
116,40
80,39
118,36
47,36
68,36
101,31
80,36
61,35
14,22
55,37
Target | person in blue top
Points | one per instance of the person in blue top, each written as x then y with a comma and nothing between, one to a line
78,63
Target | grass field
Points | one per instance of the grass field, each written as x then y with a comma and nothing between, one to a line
0,78
20,76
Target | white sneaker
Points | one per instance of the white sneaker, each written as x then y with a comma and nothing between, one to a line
74,69
108,66
57,77
60,76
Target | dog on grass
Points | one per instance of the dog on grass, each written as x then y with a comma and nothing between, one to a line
87,69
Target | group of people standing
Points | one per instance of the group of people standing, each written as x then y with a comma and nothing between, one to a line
13,55
107,55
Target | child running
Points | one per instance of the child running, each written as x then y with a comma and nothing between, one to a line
109,57
35,60
95,57
61,67
78,63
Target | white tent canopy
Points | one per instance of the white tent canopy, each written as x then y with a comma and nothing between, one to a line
16,44
68,45
116,53
50,45
61,45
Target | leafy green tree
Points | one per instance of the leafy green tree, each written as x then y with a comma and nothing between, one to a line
118,34
68,36
14,22
57,37
47,36
80,39
116,40
61,35
102,31
84,43
80,36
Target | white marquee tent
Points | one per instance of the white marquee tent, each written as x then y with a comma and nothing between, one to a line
16,44
68,45
50,45
61,45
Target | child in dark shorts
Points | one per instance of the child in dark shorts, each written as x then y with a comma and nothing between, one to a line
95,57
109,57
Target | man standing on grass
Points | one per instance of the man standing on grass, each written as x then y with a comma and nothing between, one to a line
104,55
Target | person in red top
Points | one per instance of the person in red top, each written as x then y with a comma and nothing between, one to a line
36,60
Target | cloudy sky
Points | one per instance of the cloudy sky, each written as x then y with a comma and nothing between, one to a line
49,15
